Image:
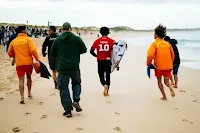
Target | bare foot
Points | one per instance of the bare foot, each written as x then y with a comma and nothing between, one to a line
163,98
172,92
30,96
175,86
22,102
105,92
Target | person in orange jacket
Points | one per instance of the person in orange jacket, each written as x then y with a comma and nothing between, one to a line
163,55
22,49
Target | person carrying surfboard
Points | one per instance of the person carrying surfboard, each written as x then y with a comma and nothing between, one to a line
103,45
163,55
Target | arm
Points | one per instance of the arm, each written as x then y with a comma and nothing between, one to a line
92,52
93,49
172,53
33,49
11,50
53,52
151,53
44,46
83,48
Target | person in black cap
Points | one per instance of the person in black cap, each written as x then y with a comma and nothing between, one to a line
53,62
68,48
176,62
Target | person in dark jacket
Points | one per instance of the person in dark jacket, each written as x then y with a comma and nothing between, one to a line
176,62
68,48
53,62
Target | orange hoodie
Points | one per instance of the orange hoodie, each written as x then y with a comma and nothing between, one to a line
162,53
23,50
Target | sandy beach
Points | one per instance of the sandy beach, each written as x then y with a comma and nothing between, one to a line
133,107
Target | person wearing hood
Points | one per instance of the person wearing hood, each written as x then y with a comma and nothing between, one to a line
53,62
68,48
176,62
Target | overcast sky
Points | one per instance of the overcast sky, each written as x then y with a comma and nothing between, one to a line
138,14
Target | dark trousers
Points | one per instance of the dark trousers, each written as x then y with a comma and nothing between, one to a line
104,70
63,83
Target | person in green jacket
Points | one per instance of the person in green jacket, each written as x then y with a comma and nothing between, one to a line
68,48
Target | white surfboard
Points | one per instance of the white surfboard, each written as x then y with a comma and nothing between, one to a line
117,53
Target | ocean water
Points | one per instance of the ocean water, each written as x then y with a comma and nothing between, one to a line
188,45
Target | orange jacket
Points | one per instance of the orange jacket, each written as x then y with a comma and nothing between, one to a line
23,50
162,53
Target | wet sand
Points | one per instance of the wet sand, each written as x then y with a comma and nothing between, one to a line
133,107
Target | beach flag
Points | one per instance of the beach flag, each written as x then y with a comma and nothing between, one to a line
151,66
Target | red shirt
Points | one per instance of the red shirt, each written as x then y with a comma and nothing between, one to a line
103,46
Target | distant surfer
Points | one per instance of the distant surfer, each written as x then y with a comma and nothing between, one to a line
162,53
176,62
53,62
103,45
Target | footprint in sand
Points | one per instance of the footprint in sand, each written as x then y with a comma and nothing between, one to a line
10,92
109,102
44,116
116,113
79,129
182,91
194,101
190,122
27,114
40,103
117,129
1,98
16,129
176,108
53,94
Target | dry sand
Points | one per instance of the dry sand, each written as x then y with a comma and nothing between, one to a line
133,107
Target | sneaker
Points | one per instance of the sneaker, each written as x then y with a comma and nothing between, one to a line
67,114
77,106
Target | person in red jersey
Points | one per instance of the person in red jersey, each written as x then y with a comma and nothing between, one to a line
103,46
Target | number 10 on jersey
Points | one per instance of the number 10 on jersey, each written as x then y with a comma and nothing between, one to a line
103,47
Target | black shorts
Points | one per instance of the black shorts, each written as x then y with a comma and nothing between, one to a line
175,69
53,63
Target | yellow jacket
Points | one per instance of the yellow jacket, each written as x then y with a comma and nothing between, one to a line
162,53
23,50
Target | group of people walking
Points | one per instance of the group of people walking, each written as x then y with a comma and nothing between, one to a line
64,58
